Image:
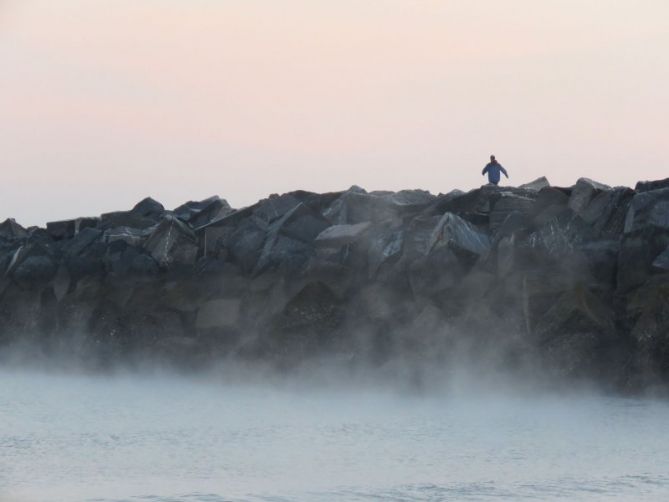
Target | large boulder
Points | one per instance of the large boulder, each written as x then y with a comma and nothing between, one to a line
36,268
301,223
61,229
75,246
84,254
125,219
172,243
638,257
32,263
583,192
243,242
123,260
411,198
149,208
275,206
341,235
439,259
290,239
309,319
200,213
606,212
385,248
146,213
131,236
454,232
647,307
536,185
357,206
575,333
11,230
86,222
506,204
560,235
550,203
647,186
648,209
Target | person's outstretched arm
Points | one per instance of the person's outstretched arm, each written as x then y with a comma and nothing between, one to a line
485,170
504,171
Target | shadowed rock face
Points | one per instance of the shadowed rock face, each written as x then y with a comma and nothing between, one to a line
573,281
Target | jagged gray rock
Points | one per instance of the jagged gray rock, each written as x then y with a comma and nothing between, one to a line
575,277
172,243
340,235
11,230
536,185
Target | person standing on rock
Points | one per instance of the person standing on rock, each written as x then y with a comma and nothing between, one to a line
493,169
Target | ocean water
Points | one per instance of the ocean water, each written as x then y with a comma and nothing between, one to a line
164,438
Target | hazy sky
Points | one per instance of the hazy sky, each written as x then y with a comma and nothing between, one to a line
103,102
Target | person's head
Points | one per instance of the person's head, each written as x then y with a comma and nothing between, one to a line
492,158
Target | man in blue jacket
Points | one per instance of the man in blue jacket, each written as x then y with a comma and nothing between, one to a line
493,169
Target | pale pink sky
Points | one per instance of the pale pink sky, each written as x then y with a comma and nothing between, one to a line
103,102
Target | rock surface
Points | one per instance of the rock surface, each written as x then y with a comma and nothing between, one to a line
573,281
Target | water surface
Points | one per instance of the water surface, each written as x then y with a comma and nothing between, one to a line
138,438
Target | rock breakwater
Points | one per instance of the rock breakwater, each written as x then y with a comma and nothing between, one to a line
571,280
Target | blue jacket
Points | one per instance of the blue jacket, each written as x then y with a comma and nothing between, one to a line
493,169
